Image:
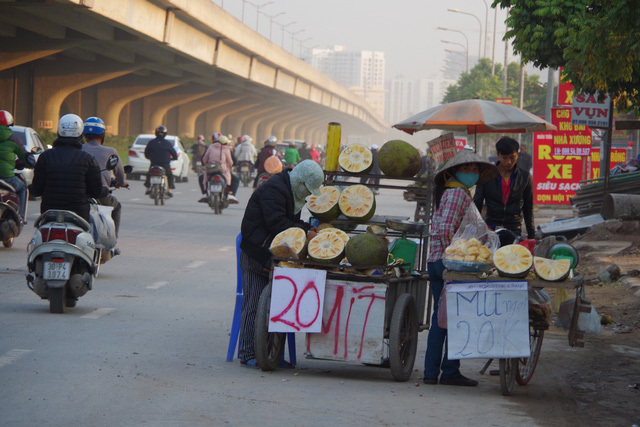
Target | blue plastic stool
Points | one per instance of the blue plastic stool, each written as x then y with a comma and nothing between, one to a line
235,325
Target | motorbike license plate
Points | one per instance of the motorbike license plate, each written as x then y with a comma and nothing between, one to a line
245,169
215,188
156,180
56,270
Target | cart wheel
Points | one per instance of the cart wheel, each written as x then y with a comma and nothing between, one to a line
268,346
403,337
508,369
527,365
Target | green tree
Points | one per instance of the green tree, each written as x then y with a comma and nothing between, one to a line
480,83
597,41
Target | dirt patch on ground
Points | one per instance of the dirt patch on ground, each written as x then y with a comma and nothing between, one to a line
604,377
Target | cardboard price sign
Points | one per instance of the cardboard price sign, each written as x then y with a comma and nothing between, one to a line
569,140
297,297
488,320
443,147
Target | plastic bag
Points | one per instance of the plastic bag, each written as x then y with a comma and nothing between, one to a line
473,245
588,323
103,229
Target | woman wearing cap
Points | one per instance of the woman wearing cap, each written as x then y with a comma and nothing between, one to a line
452,199
274,207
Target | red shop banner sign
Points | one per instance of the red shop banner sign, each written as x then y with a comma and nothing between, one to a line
569,140
556,177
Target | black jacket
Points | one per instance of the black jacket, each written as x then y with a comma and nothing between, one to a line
519,205
270,210
66,177
160,152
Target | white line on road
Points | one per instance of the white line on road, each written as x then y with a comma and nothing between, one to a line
135,199
12,355
226,248
196,264
98,313
156,285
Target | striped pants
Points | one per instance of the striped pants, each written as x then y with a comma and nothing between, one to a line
252,286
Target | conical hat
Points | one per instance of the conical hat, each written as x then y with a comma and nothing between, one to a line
488,170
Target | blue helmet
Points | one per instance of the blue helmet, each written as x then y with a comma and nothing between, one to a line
94,126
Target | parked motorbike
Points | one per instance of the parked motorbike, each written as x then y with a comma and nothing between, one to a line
216,189
244,168
159,184
10,223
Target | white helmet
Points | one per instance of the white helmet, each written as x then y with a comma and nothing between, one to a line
70,126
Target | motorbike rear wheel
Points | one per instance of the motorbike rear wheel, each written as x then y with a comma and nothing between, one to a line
57,297
217,204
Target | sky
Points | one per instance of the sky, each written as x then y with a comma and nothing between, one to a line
405,30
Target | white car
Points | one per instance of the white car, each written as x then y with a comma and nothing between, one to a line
140,164
31,140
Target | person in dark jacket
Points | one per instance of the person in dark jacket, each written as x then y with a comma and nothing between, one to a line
65,176
305,151
160,152
525,161
509,196
267,151
272,208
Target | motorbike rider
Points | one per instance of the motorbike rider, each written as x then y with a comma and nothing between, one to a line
291,155
94,131
160,152
269,150
65,176
198,149
219,151
245,151
8,152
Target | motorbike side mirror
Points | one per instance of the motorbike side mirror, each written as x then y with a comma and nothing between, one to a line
36,150
112,162
128,169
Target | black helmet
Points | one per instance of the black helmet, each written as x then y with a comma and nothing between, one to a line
161,131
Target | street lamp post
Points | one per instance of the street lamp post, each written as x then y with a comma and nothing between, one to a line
301,42
466,49
293,34
283,27
465,38
271,18
479,23
486,27
258,7
243,2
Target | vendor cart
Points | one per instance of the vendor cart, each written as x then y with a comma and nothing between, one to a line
521,369
367,318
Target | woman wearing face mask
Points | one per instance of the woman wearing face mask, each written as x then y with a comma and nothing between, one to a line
273,207
452,199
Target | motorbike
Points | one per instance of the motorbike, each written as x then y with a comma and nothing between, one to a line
262,178
216,188
244,168
159,184
63,258
10,223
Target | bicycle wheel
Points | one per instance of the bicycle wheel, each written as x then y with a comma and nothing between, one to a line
508,369
527,365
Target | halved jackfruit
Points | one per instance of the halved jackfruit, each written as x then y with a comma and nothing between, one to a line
356,159
552,270
513,261
325,206
342,234
292,241
357,203
327,247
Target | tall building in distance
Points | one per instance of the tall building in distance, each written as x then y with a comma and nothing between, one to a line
408,97
362,72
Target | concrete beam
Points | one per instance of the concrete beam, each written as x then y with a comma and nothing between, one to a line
9,14
114,95
156,106
221,113
16,52
188,113
54,81
79,20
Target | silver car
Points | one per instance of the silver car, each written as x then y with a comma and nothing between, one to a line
140,164
31,140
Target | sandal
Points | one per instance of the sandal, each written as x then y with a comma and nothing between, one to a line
251,363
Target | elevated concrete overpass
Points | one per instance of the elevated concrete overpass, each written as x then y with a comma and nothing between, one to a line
187,64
